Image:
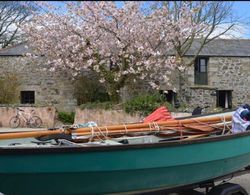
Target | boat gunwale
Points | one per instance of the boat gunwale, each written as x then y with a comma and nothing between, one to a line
77,148
206,114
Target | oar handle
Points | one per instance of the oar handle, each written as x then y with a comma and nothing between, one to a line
28,134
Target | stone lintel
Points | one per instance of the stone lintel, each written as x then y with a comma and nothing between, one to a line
203,87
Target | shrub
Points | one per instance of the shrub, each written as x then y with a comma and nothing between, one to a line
145,104
134,89
88,89
66,118
9,84
97,105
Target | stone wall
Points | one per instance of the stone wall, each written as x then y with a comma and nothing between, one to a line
47,114
224,73
202,97
50,88
112,117
104,117
231,73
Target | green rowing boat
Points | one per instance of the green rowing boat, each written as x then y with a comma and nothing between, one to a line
47,168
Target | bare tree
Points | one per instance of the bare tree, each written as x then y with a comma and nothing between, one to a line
214,15
12,15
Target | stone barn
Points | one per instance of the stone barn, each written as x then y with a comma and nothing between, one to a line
37,86
220,77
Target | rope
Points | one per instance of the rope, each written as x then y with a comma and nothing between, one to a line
224,122
125,128
100,131
156,127
107,131
92,133
225,125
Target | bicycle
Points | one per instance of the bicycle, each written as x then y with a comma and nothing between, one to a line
29,119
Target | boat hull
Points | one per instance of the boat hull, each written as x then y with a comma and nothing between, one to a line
113,169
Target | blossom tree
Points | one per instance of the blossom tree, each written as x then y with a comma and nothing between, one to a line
115,43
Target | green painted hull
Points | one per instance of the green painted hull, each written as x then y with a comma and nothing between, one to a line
112,169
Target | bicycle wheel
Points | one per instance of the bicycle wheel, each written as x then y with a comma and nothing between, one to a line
36,121
14,122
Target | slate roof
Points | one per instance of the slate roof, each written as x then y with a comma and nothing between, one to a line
223,47
219,47
16,50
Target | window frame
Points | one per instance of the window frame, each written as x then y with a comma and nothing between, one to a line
201,77
27,97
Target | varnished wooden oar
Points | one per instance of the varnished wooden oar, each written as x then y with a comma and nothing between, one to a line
153,130
30,134
196,136
204,127
148,125
116,128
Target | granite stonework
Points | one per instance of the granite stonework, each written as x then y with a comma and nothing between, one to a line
50,88
224,73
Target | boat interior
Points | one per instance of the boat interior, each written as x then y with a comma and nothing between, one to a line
154,133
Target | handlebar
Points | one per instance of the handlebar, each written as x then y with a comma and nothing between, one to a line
32,111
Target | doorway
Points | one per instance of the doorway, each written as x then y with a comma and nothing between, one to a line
224,98
170,96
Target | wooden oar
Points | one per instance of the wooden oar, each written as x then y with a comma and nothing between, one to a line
196,136
193,130
30,134
165,132
148,125
204,127
116,128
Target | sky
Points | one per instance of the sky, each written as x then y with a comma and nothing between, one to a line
240,9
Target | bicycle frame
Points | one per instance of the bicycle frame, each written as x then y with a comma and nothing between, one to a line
26,116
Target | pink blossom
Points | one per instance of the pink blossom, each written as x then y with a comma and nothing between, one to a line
94,34
102,80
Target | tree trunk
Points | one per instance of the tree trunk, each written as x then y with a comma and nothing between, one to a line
114,95
180,88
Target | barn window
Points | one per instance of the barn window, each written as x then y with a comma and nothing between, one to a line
27,97
200,71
